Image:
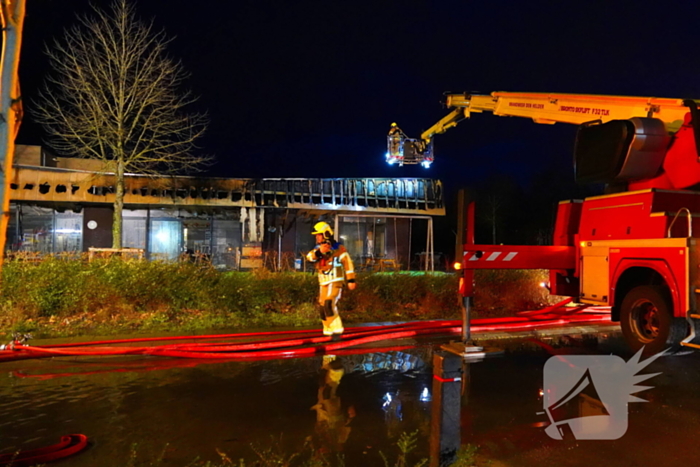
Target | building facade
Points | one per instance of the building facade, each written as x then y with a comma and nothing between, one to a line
62,205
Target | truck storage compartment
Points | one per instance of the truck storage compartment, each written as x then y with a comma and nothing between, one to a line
620,150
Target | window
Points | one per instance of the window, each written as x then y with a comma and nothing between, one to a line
68,234
165,239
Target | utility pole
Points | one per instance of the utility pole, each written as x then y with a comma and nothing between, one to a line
12,13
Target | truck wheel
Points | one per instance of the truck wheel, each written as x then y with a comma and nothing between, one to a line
647,321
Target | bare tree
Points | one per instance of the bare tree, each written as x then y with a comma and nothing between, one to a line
494,204
115,97
496,200
12,16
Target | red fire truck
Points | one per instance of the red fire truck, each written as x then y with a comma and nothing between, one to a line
633,249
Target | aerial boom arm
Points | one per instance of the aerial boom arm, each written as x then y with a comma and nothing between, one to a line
576,109
543,108
448,121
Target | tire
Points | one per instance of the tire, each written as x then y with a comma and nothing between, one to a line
647,321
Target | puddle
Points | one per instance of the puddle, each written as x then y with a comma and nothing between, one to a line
357,405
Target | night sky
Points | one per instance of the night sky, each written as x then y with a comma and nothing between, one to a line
301,88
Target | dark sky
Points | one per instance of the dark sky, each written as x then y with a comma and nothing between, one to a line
300,88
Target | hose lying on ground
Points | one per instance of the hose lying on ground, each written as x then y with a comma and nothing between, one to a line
302,343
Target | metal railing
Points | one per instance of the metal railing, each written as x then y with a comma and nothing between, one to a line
690,222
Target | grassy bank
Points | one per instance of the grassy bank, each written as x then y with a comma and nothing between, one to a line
58,297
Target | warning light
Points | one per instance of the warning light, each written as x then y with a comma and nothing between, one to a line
392,159
457,266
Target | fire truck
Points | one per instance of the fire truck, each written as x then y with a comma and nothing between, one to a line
635,248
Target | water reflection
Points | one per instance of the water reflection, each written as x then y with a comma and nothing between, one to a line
360,405
339,399
333,419
355,405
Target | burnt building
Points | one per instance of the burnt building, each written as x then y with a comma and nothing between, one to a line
65,205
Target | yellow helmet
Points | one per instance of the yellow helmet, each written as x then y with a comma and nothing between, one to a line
323,228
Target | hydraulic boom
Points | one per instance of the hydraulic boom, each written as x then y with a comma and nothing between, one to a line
635,134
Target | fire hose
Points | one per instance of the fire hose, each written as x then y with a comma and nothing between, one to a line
301,343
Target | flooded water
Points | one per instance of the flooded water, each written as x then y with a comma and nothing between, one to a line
359,405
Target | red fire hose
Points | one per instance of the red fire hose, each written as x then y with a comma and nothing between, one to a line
67,446
301,343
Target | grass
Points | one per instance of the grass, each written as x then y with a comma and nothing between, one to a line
60,297
271,456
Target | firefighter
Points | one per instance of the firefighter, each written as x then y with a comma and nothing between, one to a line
395,138
394,130
335,268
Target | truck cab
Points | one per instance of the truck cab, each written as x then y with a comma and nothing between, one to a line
635,252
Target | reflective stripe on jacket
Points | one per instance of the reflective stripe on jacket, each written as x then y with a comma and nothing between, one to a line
334,266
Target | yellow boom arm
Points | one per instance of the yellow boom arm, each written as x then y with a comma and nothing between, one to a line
559,108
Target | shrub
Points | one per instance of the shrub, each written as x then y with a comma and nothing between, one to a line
117,295
499,292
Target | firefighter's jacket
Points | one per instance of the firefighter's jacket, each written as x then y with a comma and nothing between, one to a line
334,266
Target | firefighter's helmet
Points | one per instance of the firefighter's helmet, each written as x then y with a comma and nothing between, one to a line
324,229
